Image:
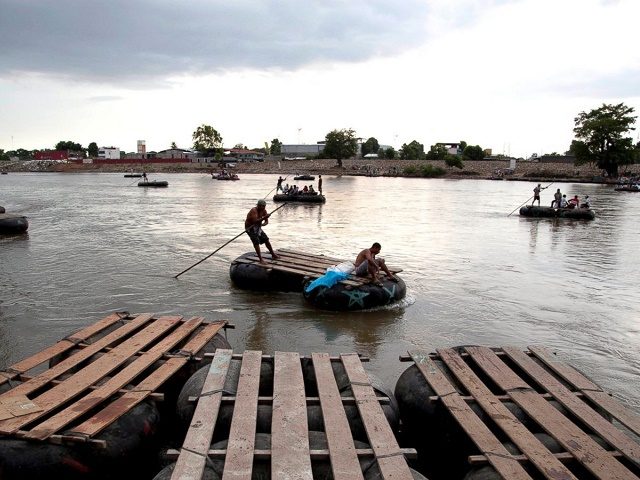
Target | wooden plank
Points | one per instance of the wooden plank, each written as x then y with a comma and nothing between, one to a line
316,454
580,409
344,460
291,270
391,462
191,463
238,463
592,456
528,444
144,389
328,261
68,363
115,383
309,255
478,432
589,389
80,381
59,347
289,427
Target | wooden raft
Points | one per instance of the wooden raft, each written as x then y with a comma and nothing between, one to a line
530,379
290,455
83,395
307,265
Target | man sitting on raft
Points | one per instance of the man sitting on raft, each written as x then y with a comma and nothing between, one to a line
367,264
256,219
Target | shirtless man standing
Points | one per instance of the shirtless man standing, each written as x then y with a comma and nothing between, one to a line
367,264
256,219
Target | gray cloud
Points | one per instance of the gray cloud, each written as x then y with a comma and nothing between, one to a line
147,40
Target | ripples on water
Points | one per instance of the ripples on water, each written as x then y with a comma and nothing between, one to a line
474,275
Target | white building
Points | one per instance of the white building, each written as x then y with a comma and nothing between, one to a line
142,147
111,153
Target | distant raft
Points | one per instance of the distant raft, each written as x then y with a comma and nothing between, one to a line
132,175
628,188
12,224
549,212
304,177
154,183
303,198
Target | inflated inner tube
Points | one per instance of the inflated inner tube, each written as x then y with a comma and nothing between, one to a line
129,453
250,276
12,224
347,297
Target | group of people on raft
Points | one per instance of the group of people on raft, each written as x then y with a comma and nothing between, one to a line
366,263
560,199
295,190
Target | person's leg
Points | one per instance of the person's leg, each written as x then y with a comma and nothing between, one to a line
373,272
382,264
257,248
273,254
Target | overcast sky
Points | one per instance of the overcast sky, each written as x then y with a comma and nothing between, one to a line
510,75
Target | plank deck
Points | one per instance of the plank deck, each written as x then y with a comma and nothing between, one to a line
290,455
538,368
91,386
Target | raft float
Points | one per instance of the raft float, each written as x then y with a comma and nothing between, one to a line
483,413
294,270
154,183
628,188
132,175
93,412
304,198
304,177
12,224
549,212
288,416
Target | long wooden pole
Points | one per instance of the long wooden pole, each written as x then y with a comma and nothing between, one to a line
275,188
227,243
544,188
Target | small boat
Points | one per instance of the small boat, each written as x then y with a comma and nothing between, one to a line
628,188
549,212
154,183
132,175
12,224
4,173
302,198
227,177
304,177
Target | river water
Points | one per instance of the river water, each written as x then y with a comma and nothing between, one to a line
97,243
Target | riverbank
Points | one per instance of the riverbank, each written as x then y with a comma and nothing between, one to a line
524,171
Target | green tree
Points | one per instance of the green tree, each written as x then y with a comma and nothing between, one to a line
463,145
370,146
437,152
454,161
69,145
340,144
276,147
473,152
412,151
3,156
92,149
600,137
389,153
207,139
174,146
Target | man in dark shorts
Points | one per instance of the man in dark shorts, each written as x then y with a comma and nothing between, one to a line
536,194
367,264
320,184
256,219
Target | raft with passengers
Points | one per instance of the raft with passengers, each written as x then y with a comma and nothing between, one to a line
307,194
560,207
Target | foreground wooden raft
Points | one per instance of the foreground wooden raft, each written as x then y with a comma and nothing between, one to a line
530,379
290,454
307,265
97,393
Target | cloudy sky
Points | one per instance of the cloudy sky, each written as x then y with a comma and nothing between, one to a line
510,75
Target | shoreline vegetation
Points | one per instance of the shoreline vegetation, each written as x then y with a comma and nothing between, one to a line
473,169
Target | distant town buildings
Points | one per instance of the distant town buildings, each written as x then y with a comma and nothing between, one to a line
110,153
304,150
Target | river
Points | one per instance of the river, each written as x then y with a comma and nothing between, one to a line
97,243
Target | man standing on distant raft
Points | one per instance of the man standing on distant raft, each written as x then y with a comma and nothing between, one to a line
536,194
320,184
367,264
256,219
